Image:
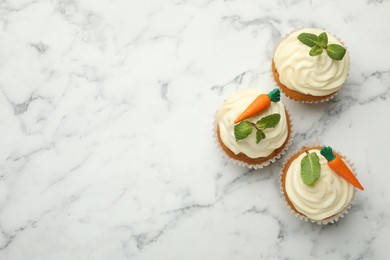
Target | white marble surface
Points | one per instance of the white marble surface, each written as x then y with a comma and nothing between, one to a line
106,112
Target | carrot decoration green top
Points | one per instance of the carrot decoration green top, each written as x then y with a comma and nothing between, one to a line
261,103
328,153
338,165
274,95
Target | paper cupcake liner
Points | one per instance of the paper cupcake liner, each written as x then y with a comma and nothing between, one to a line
254,166
332,219
308,101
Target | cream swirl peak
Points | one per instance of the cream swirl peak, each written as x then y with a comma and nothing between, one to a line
329,195
233,107
314,75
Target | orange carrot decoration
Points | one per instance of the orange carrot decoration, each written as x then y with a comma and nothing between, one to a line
339,166
261,102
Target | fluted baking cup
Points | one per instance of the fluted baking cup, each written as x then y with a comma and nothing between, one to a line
330,220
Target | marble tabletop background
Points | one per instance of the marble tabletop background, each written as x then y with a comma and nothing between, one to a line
106,130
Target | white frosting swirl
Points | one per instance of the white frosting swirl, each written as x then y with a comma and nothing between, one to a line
233,107
314,75
329,195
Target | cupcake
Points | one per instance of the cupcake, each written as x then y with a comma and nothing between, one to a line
310,65
253,128
318,184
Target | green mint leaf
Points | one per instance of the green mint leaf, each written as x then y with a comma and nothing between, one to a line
245,128
259,136
308,39
316,50
323,39
310,168
269,121
242,130
336,51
